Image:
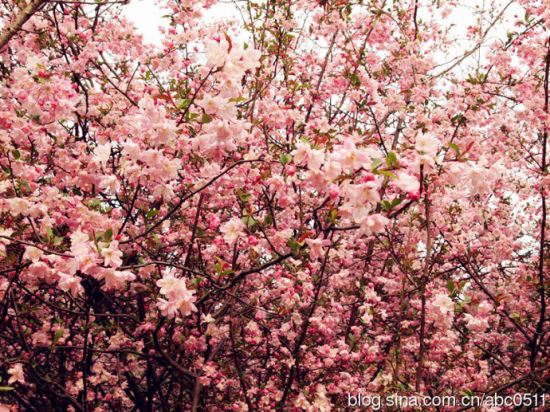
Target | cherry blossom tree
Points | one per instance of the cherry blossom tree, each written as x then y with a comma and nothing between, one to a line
270,213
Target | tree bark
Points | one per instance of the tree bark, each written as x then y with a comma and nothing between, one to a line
19,21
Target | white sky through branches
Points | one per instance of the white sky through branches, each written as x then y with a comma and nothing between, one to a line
147,17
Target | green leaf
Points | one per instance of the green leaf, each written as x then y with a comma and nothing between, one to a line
95,203
455,147
391,159
377,12
16,154
25,184
6,388
57,336
450,285
384,172
285,159
206,118
108,234
248,221
375,163
49,232
183,103
196,281
152,213
457,118
396,202
355,80
243,195
294,245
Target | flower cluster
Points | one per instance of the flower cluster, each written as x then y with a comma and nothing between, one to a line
176,296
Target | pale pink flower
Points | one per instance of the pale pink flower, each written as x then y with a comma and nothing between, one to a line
112,255
110,182
251,58
374,224
359,213
115,279
406,183
41,270
365,192
301,152
474,324
444,303
212,105
168,308
332,170
4,241
164,191
69,283
16,374
351,158
165,132
102,153
207,318
315,159
32,253
216,53
302,402
322,403
426,144
232,229
19,206
485,308
79,242
178,297
167,283
5,185
479,181
315,248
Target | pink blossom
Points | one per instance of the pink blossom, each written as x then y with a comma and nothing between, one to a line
232,230
115,279
178,297
301,152
216,53
16,374
315,159
102,153
316,250
70,283
406,182
373,224
426,144
32,253
444,303
476,324
112,255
